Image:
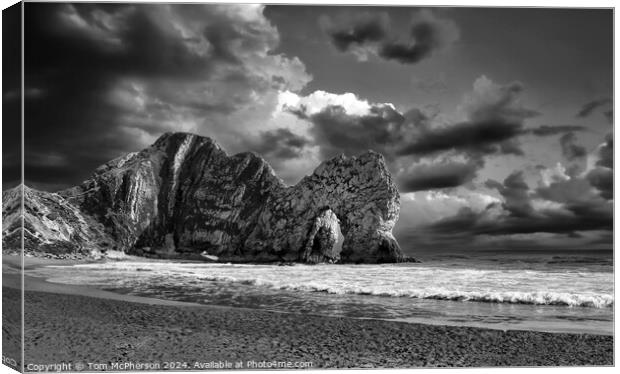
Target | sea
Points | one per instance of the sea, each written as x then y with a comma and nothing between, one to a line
553,291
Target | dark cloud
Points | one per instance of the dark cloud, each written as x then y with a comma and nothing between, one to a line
515,192
603,180
106,79
565,207
495,121
602,176
279,144
369,34
437,175
397,135
547,130
591,106
570,149
11,105
606,152
357,30
582,209
579,218
429,34
463,223
570,207
479,137
336,131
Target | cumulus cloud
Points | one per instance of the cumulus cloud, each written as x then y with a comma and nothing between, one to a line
347,124
290,152
369,34
602,175
317,101
280,143
560,205
603,180
421,208
124,73
493,115
489,100
606,152
515,192
494,118
552,175
337,132
570,149
555,221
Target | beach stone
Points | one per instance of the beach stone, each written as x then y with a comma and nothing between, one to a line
184,195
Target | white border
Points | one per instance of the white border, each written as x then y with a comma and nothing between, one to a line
479,3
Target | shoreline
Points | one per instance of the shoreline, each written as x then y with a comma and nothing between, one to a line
67,323
71,328
36,283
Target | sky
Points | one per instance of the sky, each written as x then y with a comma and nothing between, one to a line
496,124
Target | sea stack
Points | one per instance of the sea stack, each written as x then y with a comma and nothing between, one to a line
183,197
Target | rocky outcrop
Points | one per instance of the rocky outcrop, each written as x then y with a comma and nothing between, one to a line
183,197
358,191
51,225
324,241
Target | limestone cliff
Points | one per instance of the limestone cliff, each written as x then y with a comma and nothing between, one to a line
357,194
183,196
51,225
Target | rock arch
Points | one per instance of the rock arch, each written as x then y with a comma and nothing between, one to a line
183,196
325,239
359,194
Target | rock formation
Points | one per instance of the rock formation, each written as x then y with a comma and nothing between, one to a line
324,241
183,196
52,225
358,191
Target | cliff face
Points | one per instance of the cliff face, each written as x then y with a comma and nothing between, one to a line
52,225
355,194
183,196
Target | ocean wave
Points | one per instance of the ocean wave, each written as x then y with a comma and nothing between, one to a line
531,298
580,260
561,287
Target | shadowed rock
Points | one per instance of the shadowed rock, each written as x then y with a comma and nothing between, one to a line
183,197
323,242
360,193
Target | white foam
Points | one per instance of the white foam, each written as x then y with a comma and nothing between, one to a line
537,287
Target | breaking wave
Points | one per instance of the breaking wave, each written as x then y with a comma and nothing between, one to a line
570,286
514,297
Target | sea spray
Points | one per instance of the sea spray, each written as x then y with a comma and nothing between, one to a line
574,297
573,288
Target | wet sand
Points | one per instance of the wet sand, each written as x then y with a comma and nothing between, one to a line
66,324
